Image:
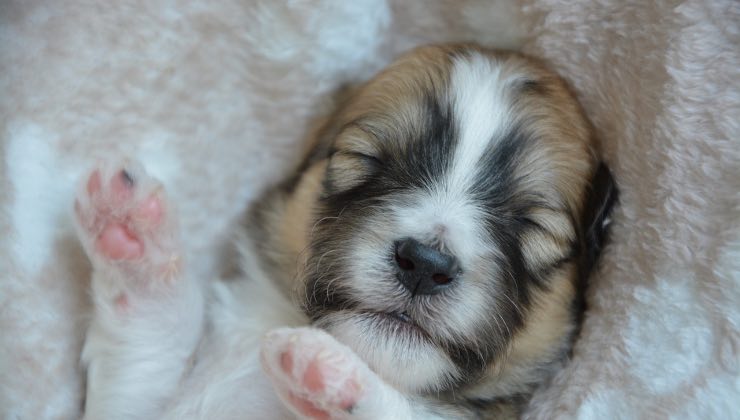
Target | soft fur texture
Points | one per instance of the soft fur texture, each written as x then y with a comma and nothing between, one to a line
214,99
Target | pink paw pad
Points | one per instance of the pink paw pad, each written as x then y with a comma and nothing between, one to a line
122,213
317,376
118,243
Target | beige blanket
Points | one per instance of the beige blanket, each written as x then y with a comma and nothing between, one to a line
214,98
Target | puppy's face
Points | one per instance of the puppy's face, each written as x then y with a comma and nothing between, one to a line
447,231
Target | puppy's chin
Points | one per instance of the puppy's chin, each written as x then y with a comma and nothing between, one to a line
401,353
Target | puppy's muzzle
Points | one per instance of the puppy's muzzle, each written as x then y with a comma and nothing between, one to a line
424,270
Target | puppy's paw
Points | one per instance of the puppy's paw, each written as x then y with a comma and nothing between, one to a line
314,374
123,222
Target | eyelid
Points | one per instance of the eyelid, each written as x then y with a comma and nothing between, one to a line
366,157
348,169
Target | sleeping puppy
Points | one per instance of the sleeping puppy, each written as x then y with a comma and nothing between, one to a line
437,238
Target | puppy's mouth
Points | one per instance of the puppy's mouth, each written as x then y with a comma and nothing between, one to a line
399,322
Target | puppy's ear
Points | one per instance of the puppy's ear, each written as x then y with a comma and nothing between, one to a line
599,203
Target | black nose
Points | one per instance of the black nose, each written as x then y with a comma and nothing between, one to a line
424,270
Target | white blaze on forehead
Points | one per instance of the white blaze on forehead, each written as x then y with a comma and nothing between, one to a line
480,109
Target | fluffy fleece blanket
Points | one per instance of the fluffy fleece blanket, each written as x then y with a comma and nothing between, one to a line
214,97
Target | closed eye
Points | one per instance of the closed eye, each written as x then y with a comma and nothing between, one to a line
372,160
348,169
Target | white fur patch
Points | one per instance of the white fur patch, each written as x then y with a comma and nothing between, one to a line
612,404
41,193
156,156
481,112
683,340
287,32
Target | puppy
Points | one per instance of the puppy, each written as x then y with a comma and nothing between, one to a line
437,238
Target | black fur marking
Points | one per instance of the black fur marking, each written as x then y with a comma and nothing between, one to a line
498,190
470,361
417,159
496,184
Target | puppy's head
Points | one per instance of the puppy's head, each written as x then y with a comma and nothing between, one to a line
450,221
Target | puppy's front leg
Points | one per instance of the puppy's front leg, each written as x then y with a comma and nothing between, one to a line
148,313
320,378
